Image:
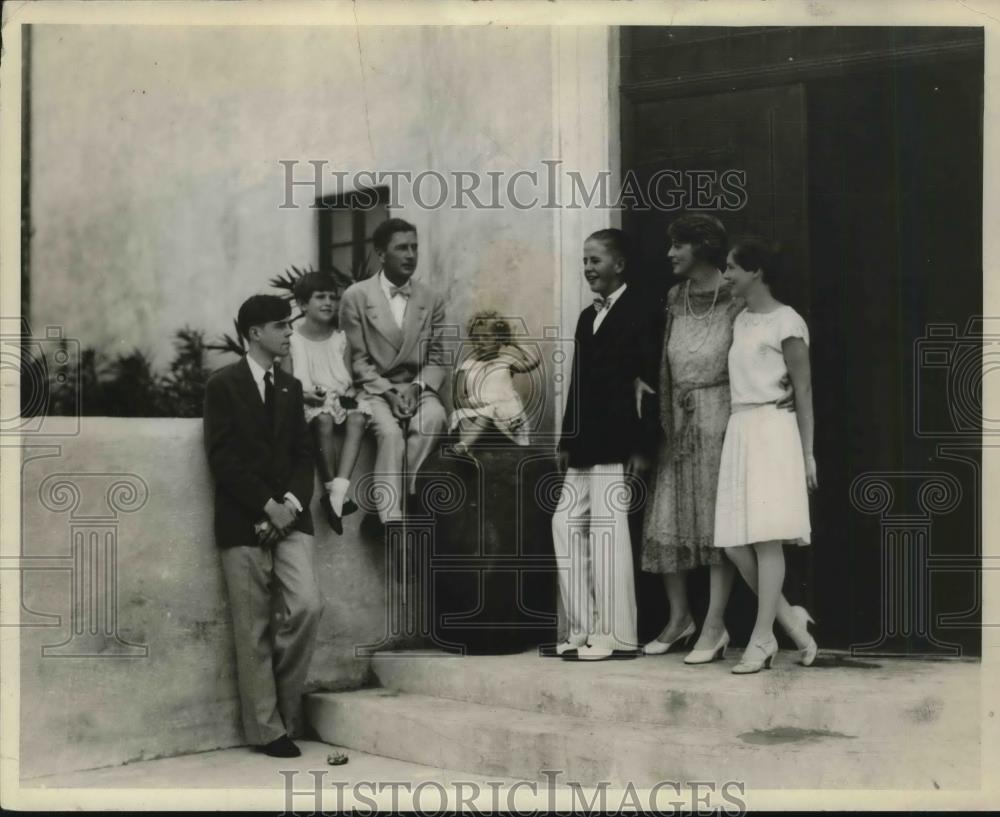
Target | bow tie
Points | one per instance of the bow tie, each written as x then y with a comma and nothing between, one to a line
405,290
601,304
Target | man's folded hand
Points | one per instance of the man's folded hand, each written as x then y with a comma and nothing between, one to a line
267,534
400,403
280,514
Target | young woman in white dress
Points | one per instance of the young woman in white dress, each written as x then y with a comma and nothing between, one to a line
767,468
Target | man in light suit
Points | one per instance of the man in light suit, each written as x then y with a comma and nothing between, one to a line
394,326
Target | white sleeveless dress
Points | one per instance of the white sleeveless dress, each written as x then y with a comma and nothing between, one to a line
762,494
324,363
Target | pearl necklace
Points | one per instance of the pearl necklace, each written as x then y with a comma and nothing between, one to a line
688,311
687,302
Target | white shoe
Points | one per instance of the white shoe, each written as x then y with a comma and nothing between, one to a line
757,656
708,656
594,652
657,647
566,646
803,640
601,652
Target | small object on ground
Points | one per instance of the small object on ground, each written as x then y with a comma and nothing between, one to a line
336,758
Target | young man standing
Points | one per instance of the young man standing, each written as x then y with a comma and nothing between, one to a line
603,443
261,458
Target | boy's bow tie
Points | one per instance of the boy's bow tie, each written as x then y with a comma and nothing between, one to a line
601,303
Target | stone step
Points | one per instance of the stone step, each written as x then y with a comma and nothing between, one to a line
241,767
837,694
489,740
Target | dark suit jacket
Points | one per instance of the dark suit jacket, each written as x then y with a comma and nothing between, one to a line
600,424
249,462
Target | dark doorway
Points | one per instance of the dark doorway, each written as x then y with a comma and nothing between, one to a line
868,168
895,202
744,150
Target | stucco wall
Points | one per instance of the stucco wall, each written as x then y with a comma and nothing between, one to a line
84,711
154,203
155,183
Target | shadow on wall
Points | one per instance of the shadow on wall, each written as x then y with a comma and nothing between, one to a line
121,520
126,644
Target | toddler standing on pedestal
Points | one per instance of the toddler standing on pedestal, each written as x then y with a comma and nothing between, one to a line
485,396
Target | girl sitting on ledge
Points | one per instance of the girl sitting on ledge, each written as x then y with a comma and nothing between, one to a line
320,359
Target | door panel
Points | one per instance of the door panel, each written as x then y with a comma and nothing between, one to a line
760,134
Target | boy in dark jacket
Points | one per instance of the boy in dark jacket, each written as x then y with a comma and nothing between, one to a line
261,458
603,443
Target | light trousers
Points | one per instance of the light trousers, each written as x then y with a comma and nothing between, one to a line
426,425
594,557
273,652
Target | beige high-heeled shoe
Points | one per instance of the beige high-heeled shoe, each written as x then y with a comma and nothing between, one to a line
757,656
708,656
657,647
808,648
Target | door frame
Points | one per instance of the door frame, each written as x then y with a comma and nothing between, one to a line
963,46
586,138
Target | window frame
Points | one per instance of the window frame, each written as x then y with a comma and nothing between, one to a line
360,242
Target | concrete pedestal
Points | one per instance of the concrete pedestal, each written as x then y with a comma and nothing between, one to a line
491,570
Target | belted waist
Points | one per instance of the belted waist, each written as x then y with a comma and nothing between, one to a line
738,407
684,441
684,389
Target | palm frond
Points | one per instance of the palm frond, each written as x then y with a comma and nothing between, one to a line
288,279
188,347
228,343
343,279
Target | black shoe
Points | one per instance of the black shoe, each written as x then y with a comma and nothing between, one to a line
598,653
372,527
349,507
282,747
336,523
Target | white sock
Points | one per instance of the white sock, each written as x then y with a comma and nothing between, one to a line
338,493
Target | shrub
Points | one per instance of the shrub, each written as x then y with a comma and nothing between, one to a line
128,385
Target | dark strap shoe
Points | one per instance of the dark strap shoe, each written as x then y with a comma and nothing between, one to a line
336,525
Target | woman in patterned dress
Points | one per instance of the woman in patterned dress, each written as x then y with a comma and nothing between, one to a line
693,392
694,397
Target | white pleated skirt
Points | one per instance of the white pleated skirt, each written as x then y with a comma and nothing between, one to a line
762,494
